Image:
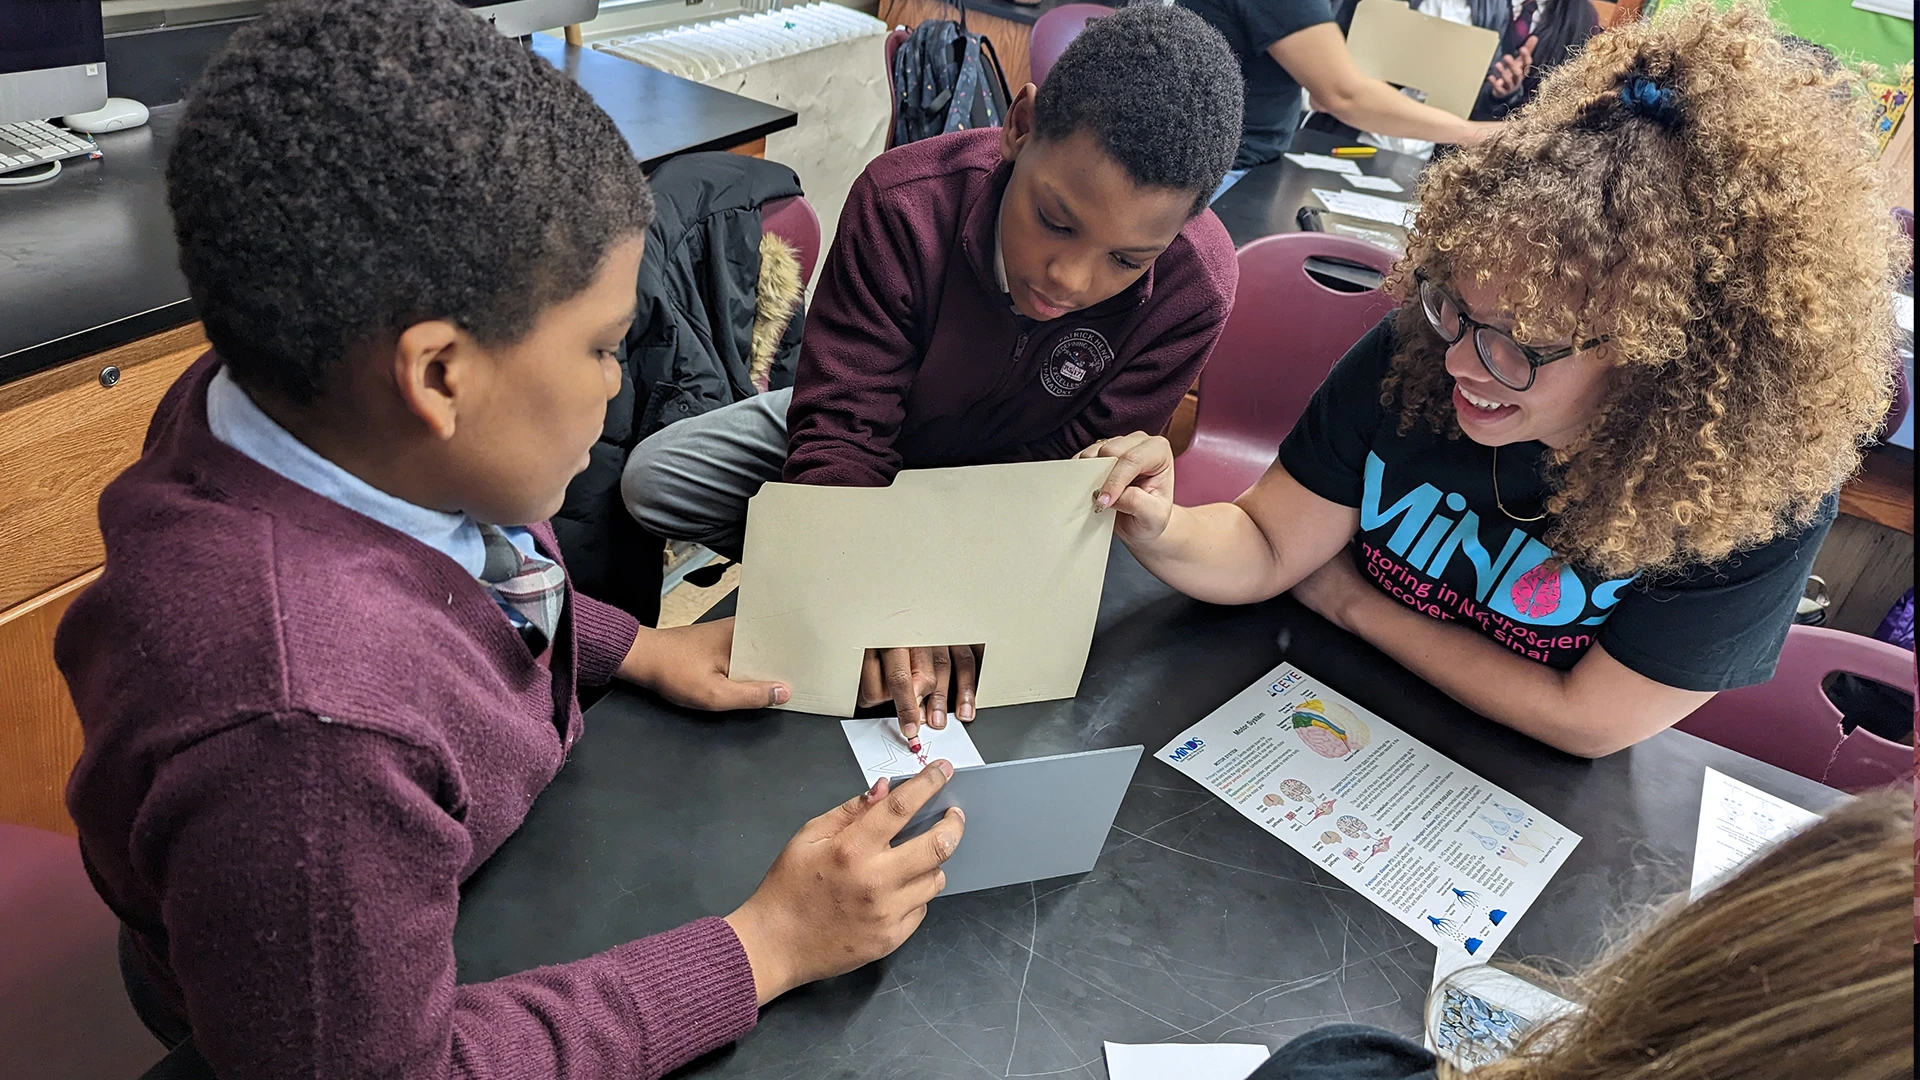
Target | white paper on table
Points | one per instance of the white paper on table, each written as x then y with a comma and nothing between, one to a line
882,750
1452,856
1476,1013
1184,1061
1375,183
1903,311
1324,163
1737,821
1370,207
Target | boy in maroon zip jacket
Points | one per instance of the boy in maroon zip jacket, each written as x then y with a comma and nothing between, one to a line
1011,294
333,657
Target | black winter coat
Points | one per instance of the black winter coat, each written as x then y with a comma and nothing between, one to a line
688,353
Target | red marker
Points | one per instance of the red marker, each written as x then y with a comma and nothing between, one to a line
913,744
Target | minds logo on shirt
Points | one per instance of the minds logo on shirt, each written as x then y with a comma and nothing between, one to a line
1445,568
1075,362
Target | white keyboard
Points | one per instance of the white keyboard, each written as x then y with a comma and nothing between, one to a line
35,141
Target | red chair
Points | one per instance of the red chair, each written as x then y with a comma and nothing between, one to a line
63,1007
793,219
1054,31
1288,328
1788,721
895,38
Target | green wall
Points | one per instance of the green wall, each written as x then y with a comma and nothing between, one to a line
1848,31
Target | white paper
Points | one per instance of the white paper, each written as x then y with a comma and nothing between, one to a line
1475,1015
1452,856
1738,821
1324,163
1903,311
1370,207
882,750
1184,1061
1375,183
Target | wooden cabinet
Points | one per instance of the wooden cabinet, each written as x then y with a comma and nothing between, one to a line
64,433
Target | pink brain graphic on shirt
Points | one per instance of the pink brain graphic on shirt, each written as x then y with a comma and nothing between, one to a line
1537,593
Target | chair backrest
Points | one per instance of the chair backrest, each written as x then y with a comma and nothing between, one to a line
63,1008
1054,31
183,1062
1288,328
1788,721
895,38
793,219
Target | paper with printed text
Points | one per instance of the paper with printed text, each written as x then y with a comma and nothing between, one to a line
1324,163
1452,856
1376,183
1737,822
1369,207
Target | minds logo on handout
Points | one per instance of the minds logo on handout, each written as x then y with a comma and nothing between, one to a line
1285,682
1186,749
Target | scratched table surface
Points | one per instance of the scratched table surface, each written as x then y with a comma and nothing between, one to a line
1194,926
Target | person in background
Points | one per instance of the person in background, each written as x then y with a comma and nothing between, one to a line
1798,966
994,295
333,656
1578,480
1536,36
1286,45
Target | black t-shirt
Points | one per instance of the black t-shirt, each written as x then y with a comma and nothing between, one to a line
1348,1052
1432,537
1273,97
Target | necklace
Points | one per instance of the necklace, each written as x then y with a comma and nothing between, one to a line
1496,493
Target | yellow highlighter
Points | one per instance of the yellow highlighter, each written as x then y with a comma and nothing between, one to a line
1353,151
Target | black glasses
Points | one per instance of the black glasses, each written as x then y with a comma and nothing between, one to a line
1505,359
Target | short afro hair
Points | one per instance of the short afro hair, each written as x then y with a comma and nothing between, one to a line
1159,89
347,168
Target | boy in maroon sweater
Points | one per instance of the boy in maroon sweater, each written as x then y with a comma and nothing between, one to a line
328,666
1012,294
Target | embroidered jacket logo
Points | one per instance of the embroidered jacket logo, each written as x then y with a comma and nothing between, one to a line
1075,362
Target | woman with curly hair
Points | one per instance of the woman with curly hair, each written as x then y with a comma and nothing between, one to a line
1584,470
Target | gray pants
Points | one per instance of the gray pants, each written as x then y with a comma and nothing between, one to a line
691,480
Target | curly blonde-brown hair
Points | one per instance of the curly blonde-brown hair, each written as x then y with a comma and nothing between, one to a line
1736,254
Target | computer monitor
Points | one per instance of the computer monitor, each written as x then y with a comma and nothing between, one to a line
53,59
518,18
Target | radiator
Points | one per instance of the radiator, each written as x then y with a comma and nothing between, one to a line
821,60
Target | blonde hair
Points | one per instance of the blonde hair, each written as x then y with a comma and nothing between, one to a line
1737,258
1798,967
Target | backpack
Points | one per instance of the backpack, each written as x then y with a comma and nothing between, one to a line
947,80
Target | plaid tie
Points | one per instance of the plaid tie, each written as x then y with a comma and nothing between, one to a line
529,587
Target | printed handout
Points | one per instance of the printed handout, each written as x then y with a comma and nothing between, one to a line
1476,1014
1376,183
1324,163
883,751
1369,207
1737,821
1452,856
